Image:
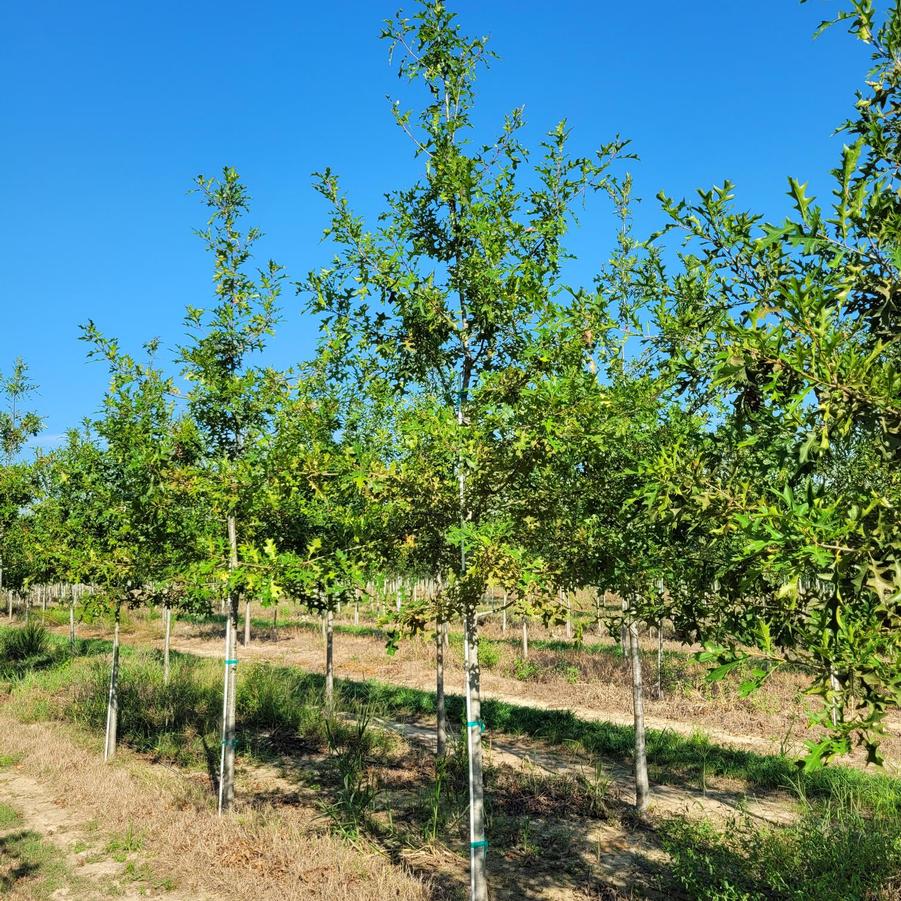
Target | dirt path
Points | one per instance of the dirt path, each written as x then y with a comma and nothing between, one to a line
668,800
306,652
90,869
715,801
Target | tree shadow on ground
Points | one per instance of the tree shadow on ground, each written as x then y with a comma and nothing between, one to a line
17,860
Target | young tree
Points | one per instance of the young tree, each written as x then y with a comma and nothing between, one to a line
327,518
17,478
443,294
146,526
793,329
231,400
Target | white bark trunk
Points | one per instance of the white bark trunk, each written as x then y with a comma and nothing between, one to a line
641,760
167,641
478,845
659,691
227,759
440,706
112,703
329,659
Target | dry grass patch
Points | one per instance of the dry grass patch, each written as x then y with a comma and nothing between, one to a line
258,853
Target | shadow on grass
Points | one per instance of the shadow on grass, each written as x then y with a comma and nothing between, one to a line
285,703
26,858
15,864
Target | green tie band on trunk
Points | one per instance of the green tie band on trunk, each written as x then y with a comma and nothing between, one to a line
478,723
231,662
230,742
480,844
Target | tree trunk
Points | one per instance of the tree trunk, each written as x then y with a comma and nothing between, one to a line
9,600
71,619
478,845
504,615
440,707
525,638
112,703
565,597
329,659
166,643
247,623
836,687
275,621
659,691
641,759
227,760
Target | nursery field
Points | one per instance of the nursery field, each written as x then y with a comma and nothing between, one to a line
589,678
533,575
350,804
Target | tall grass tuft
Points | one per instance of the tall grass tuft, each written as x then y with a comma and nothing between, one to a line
841,849
25,643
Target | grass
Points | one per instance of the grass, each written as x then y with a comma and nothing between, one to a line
9,817
837,851
846,813
30,867
280,705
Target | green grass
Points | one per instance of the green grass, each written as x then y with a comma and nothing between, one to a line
29,865
8,817
278,704
837,851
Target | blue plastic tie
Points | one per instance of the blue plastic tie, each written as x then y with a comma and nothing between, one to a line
479,844
478,723
231,662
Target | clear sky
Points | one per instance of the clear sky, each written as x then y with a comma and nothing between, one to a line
109,109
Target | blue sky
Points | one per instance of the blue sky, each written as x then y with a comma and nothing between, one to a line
110,109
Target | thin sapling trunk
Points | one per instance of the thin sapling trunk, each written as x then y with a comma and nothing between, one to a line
478,844
641,759
112,704
659,689
440,708
227,759
167,640
329,659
